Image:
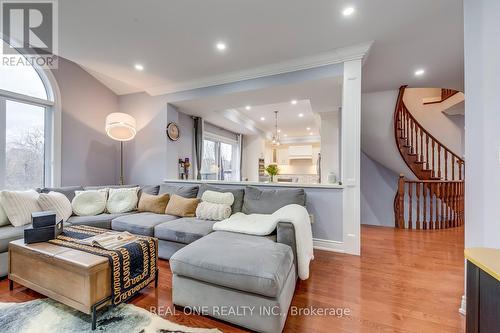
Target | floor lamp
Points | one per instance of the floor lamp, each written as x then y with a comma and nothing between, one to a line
120,127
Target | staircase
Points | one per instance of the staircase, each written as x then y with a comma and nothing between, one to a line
436,199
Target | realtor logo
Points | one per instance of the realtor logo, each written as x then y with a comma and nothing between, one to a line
28,28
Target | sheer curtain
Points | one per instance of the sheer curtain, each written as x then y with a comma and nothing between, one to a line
198,144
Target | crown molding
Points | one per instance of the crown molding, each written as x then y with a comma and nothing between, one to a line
241,119
301,139
337,56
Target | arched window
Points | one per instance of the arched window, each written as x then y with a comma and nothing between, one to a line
26,128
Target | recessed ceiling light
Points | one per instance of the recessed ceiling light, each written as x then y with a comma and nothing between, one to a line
419,72
301,115
221,46
348,11
294,101
311,133
279,131
262,118
248,107
285,135
309,128
139,67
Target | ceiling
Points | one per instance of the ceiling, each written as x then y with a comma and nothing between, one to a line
229,111
175,40
293,119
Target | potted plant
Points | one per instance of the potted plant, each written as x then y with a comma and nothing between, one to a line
272,170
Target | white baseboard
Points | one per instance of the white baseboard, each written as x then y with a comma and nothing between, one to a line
328,245
463,305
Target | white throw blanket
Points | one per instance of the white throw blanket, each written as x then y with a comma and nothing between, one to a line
265,224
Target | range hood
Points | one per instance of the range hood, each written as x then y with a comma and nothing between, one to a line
304,152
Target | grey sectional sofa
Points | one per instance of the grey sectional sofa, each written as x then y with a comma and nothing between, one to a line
216,270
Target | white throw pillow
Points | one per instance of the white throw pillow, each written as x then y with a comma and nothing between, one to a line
89,203
226,198
58,203
4,220
213,211
122,200
19,205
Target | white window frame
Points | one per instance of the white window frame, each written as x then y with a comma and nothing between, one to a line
52,130
221,139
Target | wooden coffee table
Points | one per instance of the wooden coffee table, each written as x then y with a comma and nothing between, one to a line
78,279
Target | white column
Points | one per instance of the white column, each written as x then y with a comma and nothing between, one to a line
482,121
351,152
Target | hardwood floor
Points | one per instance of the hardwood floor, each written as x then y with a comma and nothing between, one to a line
404,281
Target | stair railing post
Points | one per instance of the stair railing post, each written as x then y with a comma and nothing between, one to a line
400,223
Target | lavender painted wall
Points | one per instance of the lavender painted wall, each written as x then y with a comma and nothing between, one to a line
89,157
378,188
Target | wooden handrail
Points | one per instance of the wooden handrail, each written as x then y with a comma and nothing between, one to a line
429,204
419,154
445,94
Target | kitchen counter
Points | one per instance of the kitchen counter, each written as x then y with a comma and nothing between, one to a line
243,183
482,290
486,259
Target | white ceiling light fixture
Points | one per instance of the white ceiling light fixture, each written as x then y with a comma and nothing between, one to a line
301,115
294,102
276,137
248,107
262,118
308,128
311,133
279,131
285,135
419,72
221,46
348,11
138,67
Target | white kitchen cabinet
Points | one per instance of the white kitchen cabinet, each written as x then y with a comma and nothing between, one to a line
282,156
300,152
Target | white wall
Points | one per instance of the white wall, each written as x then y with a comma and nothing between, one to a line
253,149
330,143
89,156
482,121
377,130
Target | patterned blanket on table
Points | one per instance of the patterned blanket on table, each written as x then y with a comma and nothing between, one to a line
133,266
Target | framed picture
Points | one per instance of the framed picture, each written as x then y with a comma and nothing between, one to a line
173,132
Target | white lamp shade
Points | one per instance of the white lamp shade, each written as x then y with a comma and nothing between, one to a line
120,126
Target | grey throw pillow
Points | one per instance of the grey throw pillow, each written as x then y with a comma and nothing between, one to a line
238,194
68,191
257,201
186,191
148,189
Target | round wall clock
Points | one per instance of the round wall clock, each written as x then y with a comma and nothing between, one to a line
173,132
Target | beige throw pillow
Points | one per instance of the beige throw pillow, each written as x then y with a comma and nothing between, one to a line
153,203
122,200
56,202
89,203
183,207
19,205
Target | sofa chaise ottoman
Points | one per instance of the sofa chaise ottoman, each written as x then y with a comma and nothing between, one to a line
242,279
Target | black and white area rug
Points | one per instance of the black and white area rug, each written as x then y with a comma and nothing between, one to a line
46,315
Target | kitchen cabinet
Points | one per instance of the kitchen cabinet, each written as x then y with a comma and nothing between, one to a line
300,152
483,290
282,156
